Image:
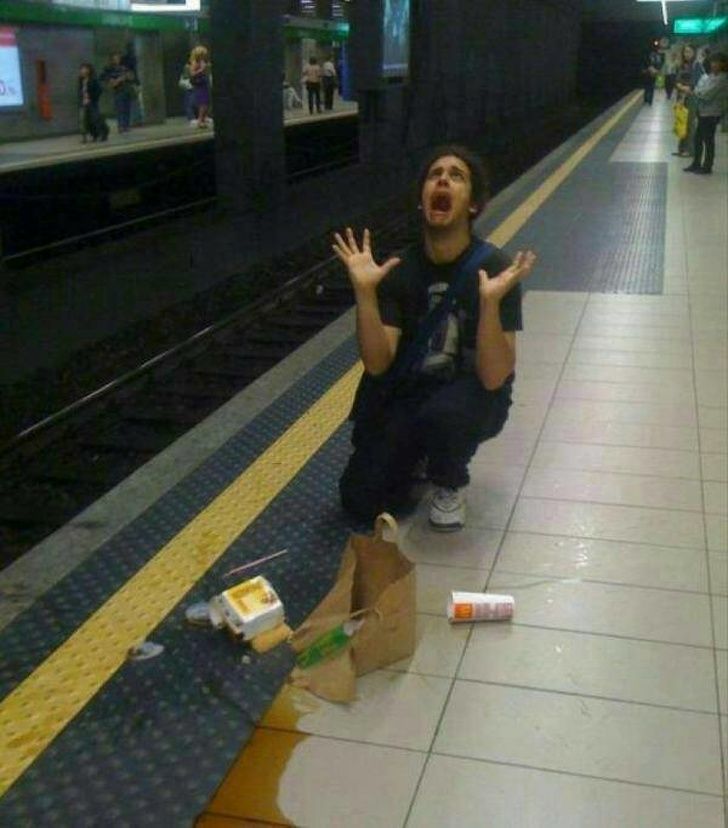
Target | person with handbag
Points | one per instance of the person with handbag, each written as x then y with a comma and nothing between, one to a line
92,122
201,79
688,77
188,90
711,95
436,332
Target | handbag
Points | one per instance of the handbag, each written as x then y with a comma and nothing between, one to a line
374,392
680,127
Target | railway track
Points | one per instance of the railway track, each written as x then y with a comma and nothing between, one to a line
52,470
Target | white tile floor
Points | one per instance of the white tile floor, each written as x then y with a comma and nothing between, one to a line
603,509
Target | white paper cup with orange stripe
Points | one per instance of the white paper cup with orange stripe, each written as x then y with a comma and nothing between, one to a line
464,607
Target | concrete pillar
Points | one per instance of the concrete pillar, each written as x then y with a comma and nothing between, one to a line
323,9
247,59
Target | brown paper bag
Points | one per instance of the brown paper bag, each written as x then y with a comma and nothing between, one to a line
376,582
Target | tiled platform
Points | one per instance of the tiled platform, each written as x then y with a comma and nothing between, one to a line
42,152
602,507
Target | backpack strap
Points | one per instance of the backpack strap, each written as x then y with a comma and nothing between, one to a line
418,346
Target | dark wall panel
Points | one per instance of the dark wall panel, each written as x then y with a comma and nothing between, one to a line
478,68
481,73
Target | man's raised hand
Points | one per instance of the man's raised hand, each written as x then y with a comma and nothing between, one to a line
495,289
364,272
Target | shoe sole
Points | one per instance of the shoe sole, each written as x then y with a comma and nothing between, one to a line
439,527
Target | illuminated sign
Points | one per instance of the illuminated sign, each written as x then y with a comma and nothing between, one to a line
698,25
167,6
11,87
396,46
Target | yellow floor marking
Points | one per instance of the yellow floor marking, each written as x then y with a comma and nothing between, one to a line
508,228
42,705
33,714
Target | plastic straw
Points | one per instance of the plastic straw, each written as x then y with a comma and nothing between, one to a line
255,563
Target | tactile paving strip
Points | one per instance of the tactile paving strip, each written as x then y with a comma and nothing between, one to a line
37,632
155,742
42,705
603,230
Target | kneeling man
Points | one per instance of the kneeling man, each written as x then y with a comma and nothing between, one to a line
436,332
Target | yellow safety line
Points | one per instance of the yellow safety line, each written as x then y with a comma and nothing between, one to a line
508,228
42,705
33,714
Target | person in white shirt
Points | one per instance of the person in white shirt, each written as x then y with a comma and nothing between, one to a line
328,71
312,80
291,98
711,95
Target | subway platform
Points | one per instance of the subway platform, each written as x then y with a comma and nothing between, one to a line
602,508
44,152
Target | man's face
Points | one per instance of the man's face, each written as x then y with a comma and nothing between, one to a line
446,196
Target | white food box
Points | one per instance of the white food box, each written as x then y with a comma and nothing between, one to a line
250,608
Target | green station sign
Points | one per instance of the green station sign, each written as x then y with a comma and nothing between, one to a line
698,25
18,12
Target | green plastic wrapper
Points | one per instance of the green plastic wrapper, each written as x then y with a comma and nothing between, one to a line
329,644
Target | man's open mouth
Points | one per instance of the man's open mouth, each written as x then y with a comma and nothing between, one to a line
441,203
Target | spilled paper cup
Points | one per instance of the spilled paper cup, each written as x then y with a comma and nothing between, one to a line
479,606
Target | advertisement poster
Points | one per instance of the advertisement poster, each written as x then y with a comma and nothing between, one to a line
11,89
395,61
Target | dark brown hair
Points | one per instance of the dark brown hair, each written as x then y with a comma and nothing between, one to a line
478,175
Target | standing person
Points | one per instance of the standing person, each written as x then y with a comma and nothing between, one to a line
670,75
291,98
711,95
688,76
650,72
706,60
118,78
436,383
200,76
185,84
89,91
312,80
129,59
329,77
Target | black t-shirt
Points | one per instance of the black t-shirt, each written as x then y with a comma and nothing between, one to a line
412,289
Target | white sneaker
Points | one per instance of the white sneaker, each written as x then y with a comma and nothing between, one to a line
447,510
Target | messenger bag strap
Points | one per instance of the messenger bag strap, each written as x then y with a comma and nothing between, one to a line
418,347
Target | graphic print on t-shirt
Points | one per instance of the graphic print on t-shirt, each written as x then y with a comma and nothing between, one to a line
442,351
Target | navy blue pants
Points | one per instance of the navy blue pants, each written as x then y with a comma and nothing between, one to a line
122,105
705,137
444,422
